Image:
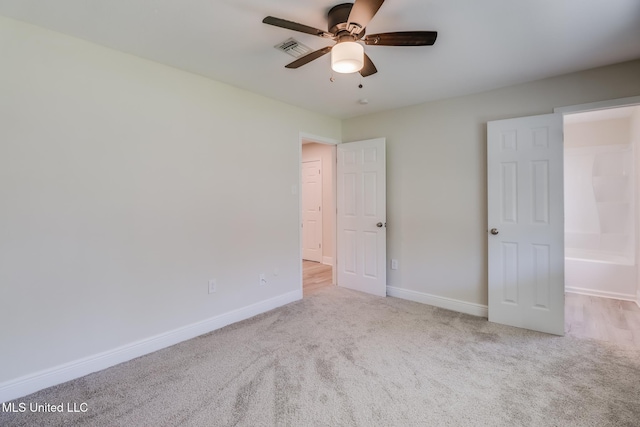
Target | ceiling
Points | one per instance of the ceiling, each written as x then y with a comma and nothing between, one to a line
482,44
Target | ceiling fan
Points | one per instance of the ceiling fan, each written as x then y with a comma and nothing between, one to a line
347,25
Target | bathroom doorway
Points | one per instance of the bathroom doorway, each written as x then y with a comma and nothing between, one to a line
601,151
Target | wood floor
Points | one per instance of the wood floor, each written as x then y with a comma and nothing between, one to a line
602,319
315,276
596,318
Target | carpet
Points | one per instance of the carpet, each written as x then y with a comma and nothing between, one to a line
343,358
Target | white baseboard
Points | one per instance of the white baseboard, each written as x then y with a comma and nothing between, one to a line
603,294
327,260
31,383
442,302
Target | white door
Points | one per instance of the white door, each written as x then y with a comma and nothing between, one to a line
312,211
526,222
362,234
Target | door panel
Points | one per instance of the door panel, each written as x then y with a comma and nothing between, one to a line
361,244
526,209
312,211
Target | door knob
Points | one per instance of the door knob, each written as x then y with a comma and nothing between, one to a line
494,231
379,225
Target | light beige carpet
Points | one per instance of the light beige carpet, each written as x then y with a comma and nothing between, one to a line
341,358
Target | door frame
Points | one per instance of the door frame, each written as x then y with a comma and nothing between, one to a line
303,136
600,105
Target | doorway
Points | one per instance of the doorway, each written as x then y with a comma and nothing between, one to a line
358,193
317,212
601,151
620,226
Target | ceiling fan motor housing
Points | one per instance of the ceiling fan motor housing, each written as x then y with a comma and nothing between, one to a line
338,17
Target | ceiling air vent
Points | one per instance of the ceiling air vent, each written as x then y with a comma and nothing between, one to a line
293,47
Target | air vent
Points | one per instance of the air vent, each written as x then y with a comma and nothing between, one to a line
293,47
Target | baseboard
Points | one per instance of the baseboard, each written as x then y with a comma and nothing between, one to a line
31,383
442,302
603,294
327,260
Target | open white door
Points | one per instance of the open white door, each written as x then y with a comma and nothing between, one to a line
526,222
362,235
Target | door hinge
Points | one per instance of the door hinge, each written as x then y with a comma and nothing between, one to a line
319,208
319,245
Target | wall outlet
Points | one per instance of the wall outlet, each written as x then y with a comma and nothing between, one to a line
213,286
394,264
263,279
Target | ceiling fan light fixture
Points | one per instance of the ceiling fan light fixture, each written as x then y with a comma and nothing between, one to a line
347,57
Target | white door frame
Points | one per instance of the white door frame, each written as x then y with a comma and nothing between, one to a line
600,105
303,136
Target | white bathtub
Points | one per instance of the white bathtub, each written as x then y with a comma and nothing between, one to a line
599,273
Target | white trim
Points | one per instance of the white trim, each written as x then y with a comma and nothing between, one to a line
31,383
602,294
319,139
600,105
334,223
638,298
442,302
327,260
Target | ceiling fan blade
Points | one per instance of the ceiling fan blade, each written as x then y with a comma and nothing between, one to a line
283,23
309,57
402,38
361,13
368,67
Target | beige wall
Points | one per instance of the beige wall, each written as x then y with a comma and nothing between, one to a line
323,152
125,186
436,174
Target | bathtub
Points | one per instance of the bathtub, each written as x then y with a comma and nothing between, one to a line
599,273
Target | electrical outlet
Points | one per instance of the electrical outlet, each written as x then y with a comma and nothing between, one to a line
394,264
213,286
263,279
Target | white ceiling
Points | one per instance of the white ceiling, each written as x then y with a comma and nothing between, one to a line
482,44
